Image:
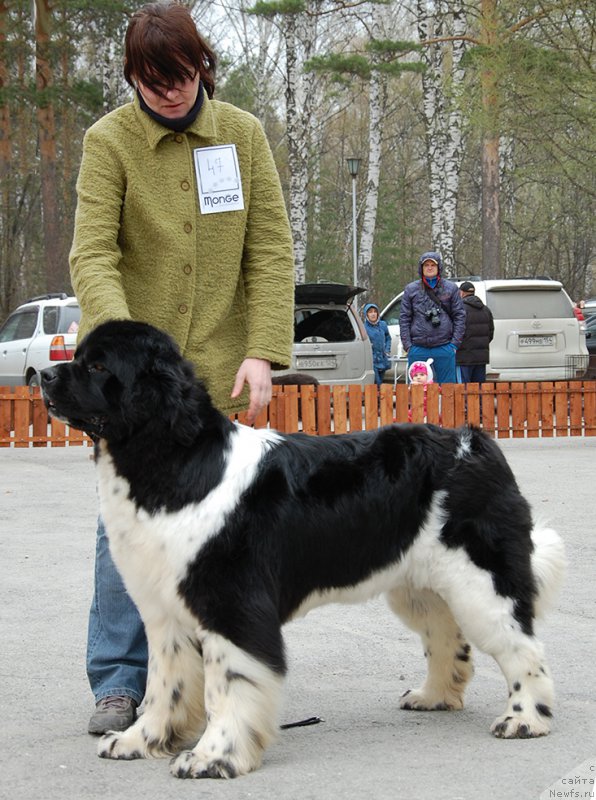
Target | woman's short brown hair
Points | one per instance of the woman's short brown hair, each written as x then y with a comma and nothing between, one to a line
163,47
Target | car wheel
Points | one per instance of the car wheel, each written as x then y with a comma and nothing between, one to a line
33,380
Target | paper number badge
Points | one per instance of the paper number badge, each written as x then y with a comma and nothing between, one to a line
218,179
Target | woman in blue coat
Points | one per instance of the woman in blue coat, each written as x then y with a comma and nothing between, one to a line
380,340
432,319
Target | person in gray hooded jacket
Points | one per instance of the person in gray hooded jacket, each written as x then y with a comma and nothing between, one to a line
432,319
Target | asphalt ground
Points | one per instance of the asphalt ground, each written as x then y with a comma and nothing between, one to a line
348,665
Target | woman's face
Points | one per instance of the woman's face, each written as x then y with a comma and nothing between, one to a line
173,102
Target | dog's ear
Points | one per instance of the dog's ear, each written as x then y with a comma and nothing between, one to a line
178,398
188,406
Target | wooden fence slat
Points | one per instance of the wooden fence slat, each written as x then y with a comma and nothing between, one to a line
503,410
402,399
575,408
547,406
6,415
433,404
459,404
276,410
532,409
590,408
518,410
561,409
355,406
261,418
473,404
417,402
340,411
324,410
39,417
487,392
371,407
386,403
58,433
308,409
22,416
448,405
292,417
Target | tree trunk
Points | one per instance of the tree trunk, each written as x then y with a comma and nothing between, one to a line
56,279
299,40
491,210
377,105
443,119
5,159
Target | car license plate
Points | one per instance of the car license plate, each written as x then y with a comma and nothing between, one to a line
329,362
536,341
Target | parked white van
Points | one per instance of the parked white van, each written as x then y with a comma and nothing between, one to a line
537,336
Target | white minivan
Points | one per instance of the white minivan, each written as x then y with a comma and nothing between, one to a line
537,336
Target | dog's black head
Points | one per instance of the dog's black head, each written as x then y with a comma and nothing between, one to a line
126,377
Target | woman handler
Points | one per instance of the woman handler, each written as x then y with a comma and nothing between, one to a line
181,223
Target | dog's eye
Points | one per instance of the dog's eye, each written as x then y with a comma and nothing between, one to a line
96,368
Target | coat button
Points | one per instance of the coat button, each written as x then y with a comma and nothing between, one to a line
178,138
187,269
183,308
187,227
185,186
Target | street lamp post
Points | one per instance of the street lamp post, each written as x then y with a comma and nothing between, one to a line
353,167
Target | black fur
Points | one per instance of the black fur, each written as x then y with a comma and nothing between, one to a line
319,513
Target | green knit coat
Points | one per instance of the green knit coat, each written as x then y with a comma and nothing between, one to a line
221,284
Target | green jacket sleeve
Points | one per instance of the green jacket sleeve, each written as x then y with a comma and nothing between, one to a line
268,262
95,253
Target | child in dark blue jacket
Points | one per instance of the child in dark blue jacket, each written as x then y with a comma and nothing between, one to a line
380,340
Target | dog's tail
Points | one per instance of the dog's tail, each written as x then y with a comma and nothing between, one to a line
549,565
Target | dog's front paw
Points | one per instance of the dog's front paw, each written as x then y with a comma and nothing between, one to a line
190,765
119,746
418,700
520,726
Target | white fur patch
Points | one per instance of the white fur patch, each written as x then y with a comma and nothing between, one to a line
153,551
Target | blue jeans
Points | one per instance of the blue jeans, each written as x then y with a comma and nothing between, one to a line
443,365
116,643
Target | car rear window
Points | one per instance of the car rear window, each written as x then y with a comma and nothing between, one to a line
331,325
69,319
528,304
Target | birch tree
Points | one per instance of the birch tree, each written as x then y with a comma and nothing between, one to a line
295,30
298,25
441,27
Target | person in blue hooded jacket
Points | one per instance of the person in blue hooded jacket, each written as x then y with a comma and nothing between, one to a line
432,319
380,340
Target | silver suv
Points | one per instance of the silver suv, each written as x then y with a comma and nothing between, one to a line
330,341
38,334
537,336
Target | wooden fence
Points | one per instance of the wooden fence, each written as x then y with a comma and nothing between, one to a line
504,410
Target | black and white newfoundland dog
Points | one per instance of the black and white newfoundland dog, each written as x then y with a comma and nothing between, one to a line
223,533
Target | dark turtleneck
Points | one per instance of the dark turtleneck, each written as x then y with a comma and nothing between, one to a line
180,123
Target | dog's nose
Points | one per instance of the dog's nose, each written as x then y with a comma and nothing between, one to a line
48,375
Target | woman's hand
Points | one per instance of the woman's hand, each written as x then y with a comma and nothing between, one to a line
256,372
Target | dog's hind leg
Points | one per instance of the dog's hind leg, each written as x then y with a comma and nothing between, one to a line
448,655
493,625
174,709
242,697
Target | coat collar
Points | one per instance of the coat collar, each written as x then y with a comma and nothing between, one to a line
204,125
